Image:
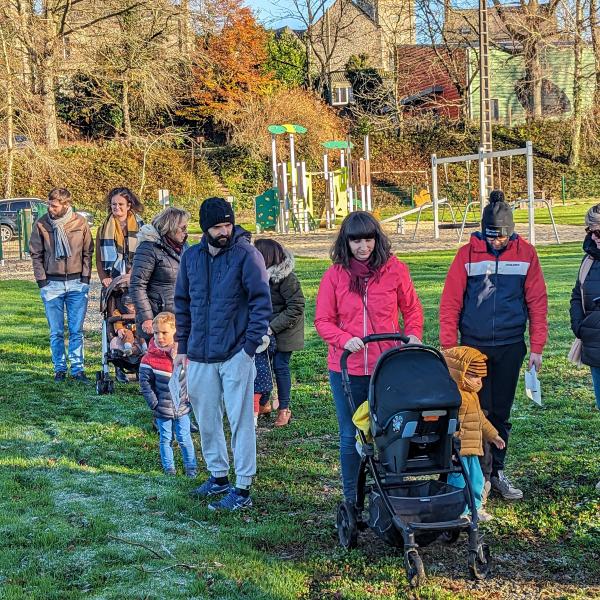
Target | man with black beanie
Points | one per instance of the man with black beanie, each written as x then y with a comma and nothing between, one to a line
494,286
222,312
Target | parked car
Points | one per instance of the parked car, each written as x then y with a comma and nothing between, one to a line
11,206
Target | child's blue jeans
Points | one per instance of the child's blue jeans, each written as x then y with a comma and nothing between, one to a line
184,439
475,474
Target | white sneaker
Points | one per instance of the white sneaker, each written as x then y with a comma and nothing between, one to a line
255,420
504,487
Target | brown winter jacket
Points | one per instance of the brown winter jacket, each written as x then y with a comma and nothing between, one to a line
473,423
46,267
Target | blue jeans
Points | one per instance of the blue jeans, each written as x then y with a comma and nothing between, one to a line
349,456
57,297
596,381
283,377
475,474
184,439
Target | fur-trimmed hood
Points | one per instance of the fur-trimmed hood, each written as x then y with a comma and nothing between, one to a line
148,234
278,273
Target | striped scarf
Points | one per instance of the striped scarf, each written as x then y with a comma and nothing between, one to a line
62,248
117,253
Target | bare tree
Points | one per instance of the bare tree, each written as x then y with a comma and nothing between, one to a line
141,67
532,26
449,47
330,35
45,30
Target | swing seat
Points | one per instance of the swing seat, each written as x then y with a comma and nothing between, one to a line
458,225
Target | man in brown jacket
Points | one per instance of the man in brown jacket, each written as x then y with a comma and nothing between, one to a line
61,248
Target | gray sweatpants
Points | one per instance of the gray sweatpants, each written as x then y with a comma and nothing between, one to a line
228,385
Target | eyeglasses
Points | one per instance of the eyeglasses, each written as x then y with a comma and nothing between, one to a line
182,229
499,239
594,232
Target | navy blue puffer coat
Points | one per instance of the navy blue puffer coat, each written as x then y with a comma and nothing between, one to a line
222,302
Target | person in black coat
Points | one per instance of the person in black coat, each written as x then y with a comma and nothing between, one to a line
156,264
286,324
585,308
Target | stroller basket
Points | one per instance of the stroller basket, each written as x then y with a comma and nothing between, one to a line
427,501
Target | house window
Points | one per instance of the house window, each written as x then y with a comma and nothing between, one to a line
495,109
341,95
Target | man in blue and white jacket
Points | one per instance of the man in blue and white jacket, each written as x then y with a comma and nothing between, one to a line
222,309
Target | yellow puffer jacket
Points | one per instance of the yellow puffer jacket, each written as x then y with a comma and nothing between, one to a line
474,425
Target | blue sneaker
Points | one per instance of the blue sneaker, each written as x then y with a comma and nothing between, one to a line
210,488
233,501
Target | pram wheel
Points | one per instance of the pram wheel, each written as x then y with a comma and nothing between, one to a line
104,385
415,572
479,562
346,526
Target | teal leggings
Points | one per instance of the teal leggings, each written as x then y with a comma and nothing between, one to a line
475,474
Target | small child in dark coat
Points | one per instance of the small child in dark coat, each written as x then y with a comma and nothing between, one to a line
156,369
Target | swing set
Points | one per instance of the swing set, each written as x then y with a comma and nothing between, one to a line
470,208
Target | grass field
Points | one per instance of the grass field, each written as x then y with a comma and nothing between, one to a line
86,512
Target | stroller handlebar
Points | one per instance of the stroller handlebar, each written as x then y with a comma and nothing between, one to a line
376,337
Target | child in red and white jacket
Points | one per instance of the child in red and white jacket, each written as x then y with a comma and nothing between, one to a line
171,414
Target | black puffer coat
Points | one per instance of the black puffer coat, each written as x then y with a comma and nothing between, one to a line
153,275
585,321
288,302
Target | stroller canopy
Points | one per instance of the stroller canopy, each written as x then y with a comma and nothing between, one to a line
414,378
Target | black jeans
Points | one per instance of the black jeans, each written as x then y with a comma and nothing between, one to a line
497,396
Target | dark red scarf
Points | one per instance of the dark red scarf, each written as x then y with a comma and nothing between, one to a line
360,273
173,244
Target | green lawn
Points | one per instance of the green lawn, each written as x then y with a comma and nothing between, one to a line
86,512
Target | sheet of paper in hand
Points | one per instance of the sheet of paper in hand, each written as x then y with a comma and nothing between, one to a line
533,389
175,386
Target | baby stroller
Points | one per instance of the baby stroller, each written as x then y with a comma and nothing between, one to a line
413,416
128,363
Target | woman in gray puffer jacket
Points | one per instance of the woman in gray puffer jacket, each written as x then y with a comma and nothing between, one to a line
287,321
156,264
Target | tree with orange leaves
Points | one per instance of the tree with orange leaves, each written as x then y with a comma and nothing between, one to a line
229,64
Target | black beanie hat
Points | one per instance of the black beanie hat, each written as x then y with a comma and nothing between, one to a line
214,211
497,218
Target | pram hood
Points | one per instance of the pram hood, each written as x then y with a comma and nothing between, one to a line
118,286
411,378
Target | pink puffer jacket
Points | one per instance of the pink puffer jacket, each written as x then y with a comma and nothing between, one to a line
341,314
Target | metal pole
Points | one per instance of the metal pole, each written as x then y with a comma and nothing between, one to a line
286,201
367,152
293,175
274,159
563,187
482,186
434,197
530,192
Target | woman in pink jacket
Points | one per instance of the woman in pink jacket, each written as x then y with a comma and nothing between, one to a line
362,293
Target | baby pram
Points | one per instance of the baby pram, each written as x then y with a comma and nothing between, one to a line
413,413
129,364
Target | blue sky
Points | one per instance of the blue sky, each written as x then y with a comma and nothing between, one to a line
269,12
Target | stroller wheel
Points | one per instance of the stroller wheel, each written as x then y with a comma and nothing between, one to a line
110,386
480,562
415,572
450,537
346,526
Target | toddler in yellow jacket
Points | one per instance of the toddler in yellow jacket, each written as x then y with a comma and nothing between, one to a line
467,367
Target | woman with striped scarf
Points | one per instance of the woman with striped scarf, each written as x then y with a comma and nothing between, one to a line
116,240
